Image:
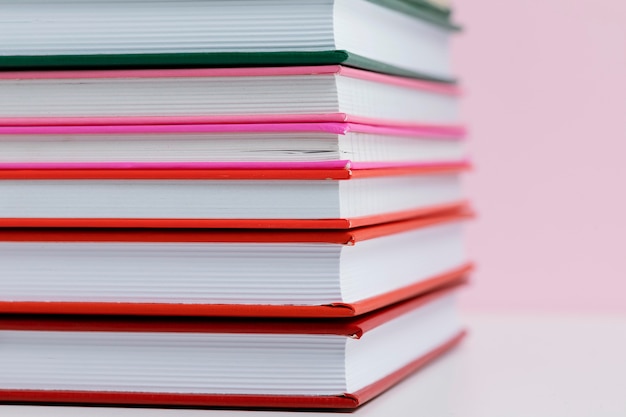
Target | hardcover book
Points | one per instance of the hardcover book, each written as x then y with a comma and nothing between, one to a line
280,145
224,95
336,196
403,37
223,363
284,273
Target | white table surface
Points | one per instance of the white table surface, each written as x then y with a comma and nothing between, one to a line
510,365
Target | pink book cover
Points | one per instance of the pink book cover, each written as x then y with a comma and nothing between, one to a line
408,83
429,132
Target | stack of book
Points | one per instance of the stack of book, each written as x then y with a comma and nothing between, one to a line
226,203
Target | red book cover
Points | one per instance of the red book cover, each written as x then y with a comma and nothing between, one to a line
20,203
455,274
355,329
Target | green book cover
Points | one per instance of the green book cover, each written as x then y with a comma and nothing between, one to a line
203,60
419,9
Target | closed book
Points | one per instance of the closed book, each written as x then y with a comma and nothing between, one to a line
332,195
282,273
280,145
224,95
324,364
396,36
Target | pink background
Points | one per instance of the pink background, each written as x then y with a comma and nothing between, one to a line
546,104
